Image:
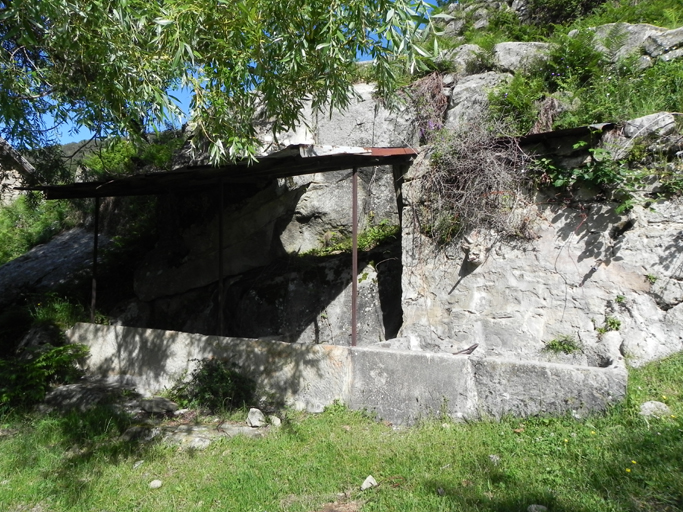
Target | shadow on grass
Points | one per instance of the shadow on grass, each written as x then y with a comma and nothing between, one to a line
74,448
636,466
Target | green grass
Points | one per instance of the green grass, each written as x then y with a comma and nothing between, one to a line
77,462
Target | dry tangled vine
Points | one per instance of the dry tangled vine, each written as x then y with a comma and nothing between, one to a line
430,104
475,180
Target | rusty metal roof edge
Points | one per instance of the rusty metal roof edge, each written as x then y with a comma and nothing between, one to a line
302,158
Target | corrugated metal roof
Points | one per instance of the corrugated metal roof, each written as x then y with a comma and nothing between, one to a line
292,161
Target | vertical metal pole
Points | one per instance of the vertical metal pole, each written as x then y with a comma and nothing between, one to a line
93,296
220,263
354,259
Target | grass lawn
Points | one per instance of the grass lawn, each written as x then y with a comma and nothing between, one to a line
612,462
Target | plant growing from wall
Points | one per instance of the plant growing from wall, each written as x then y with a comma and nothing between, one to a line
474,180
616,180
430,104
611,324
371,237
565,344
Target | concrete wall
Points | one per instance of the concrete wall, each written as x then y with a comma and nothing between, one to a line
400,386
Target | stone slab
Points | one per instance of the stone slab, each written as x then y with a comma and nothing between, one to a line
399,386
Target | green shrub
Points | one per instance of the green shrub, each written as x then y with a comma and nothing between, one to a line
600,91
517,102
663,13
121,157
26,223
215,384
112,160
59,312
565,344
25,381
611,324
555,12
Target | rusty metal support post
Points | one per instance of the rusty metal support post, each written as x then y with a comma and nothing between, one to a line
93,296
220,263
354,258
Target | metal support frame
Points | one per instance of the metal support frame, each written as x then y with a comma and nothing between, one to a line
93,296
221,330
354,258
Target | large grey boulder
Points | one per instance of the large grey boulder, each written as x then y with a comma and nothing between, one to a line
516,56
461,59
663,43
469,98
48,265
619,40
454,27
365,122
324,208
659,124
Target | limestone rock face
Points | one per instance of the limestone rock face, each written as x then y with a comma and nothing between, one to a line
366,122
590,271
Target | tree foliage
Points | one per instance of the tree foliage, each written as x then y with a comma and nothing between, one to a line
108,65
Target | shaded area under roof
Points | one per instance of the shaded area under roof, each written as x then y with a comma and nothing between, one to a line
293,161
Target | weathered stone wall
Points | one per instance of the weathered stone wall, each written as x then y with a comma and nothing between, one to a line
400,386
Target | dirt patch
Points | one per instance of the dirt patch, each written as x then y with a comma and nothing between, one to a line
349,506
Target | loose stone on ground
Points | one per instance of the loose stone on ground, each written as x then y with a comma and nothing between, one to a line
654,409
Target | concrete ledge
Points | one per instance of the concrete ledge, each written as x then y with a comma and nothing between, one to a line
400,386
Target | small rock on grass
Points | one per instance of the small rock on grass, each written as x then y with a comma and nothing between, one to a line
275,421
158,405
255,418
537,508
155,484
654,408
369,483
